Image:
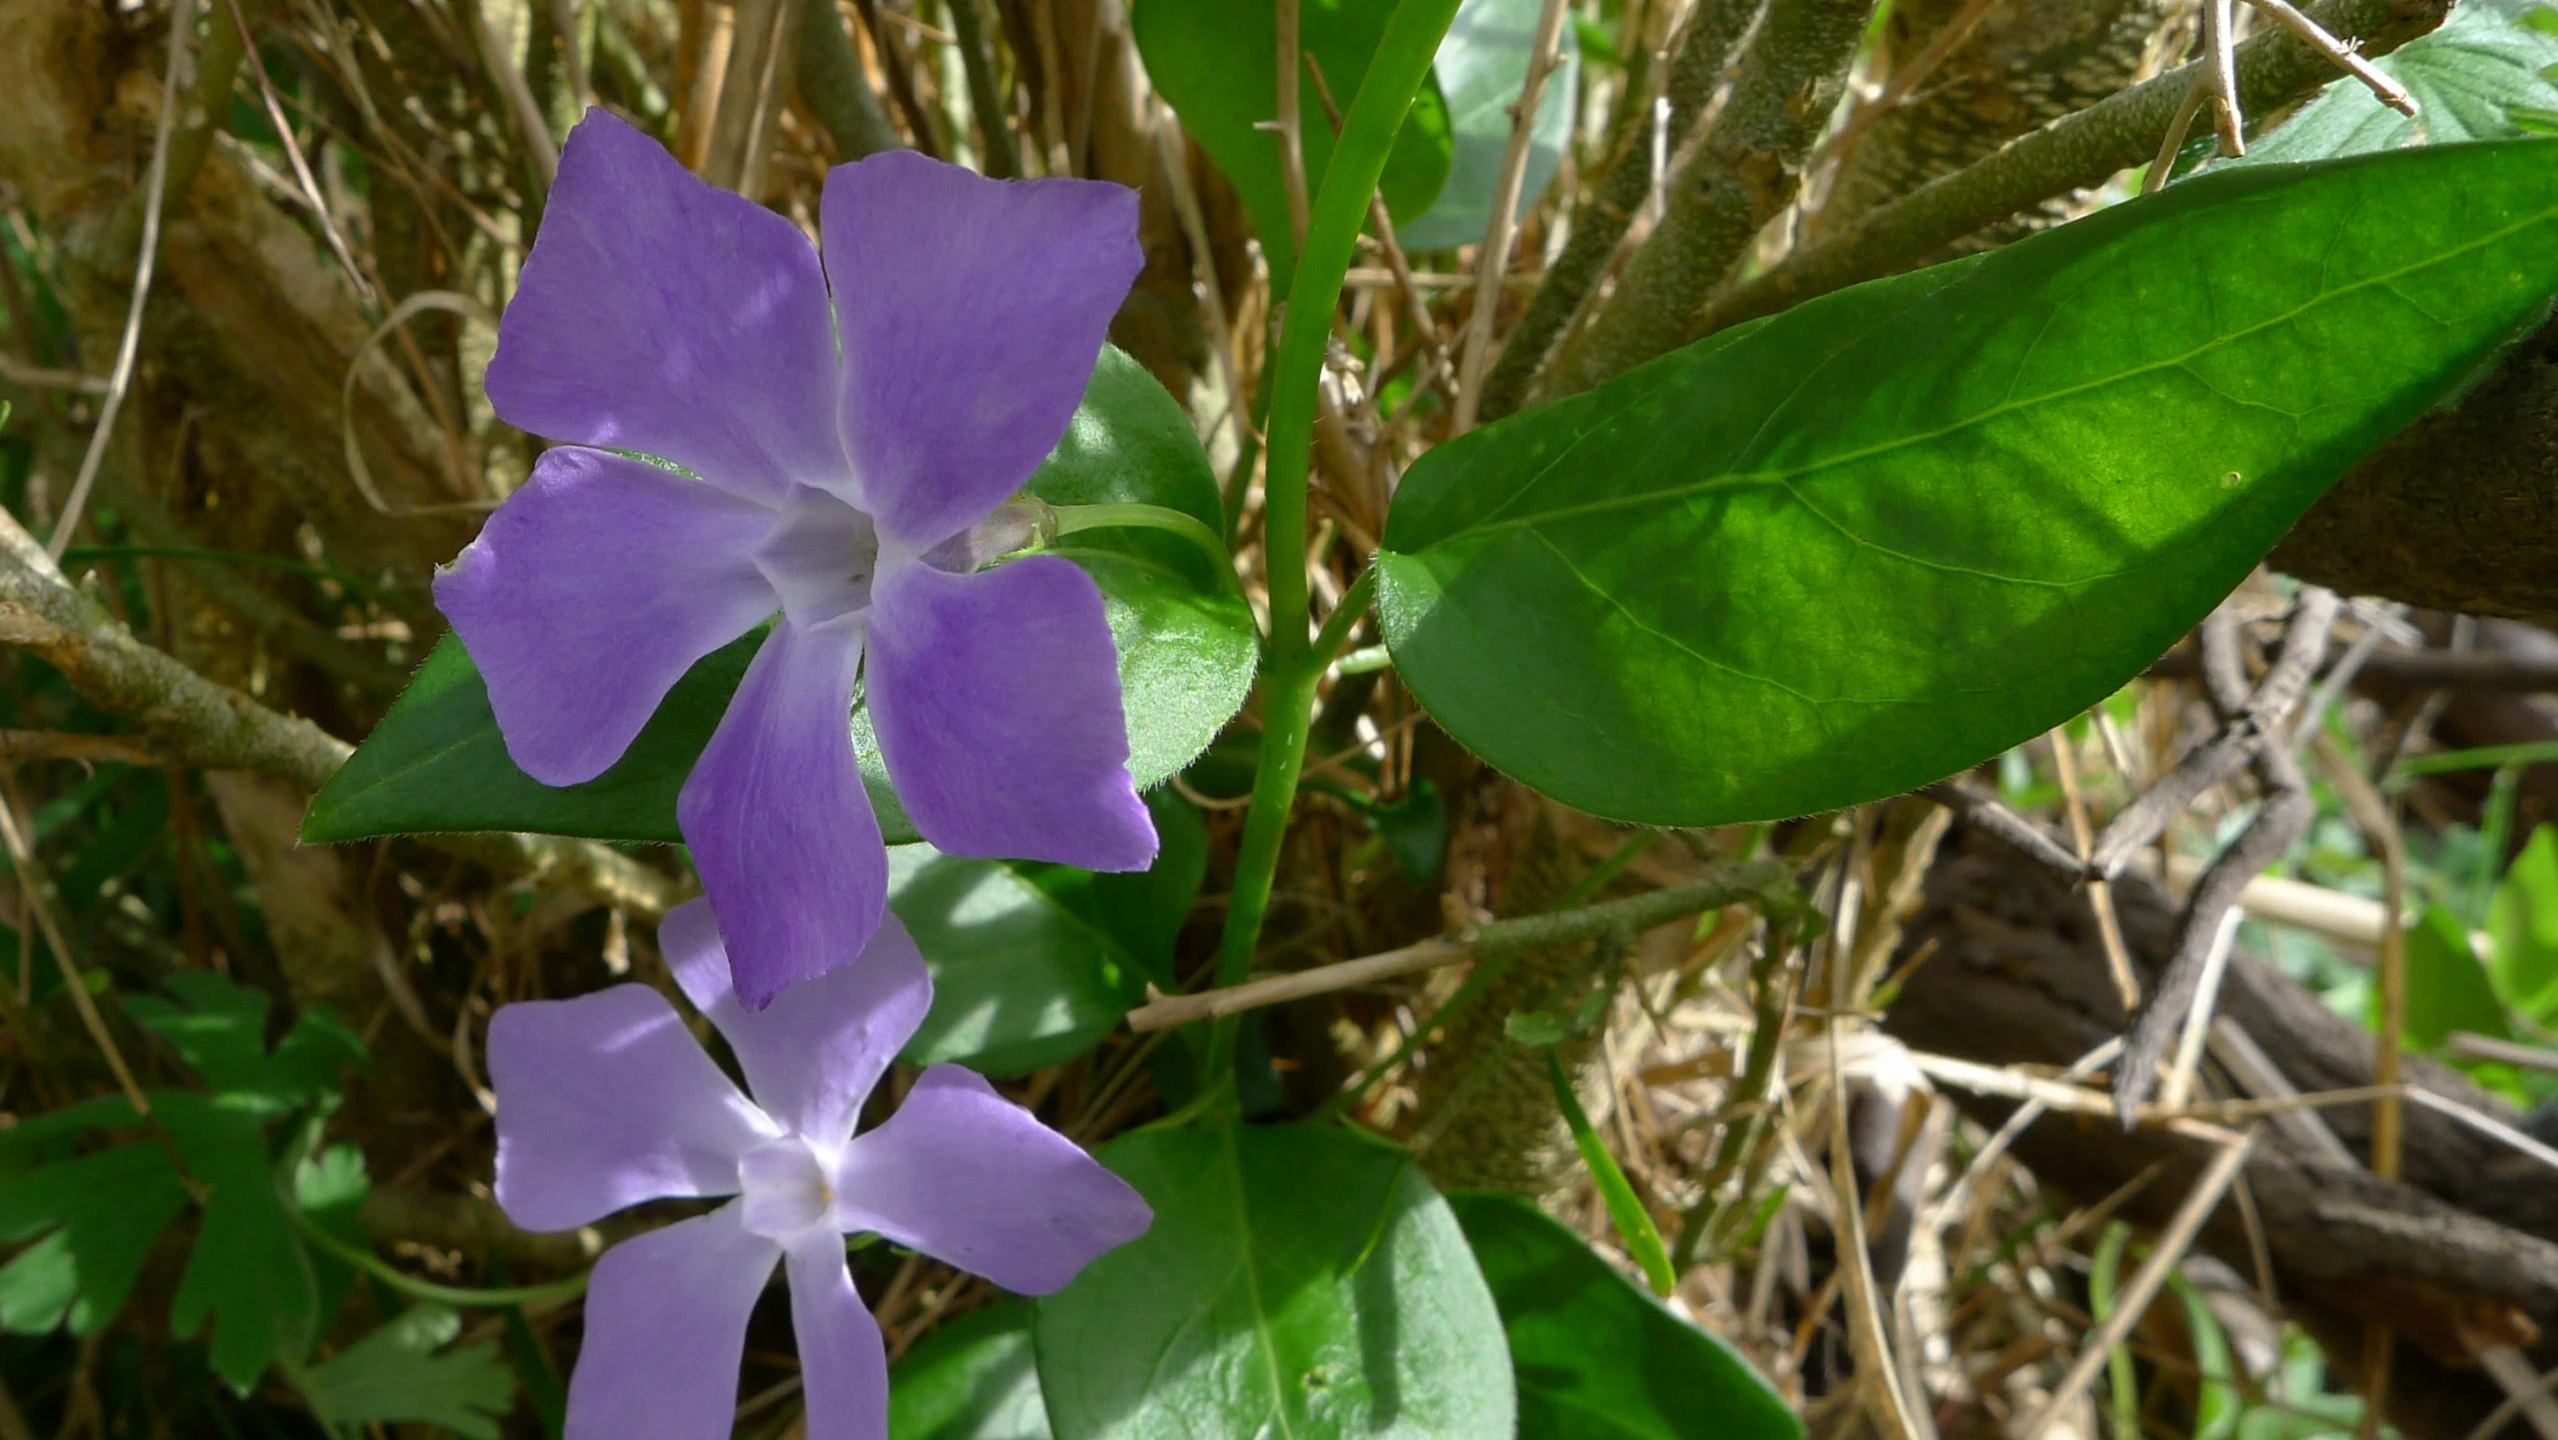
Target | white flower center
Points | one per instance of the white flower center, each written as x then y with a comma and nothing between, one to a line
821,557
785,1189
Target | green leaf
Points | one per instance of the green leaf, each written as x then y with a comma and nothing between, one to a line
97,1217
1142,911
1480,67
1634,1227
975,1378
329,1189
1297,1281
1863,544
1020,982
1415,829
1187,650
2522,929
1597,1359
248,1275
220,1031
394,1375
1217,63
2447,989
2469,79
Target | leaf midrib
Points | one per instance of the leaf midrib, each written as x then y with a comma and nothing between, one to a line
1786,477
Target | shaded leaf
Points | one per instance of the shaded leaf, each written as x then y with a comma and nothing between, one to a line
1187,650
1787,570
1297,1281
248,1276
1019,980
2447,989
394,1375
1596,1358
1142,910
2522,928
2470,77
975,1378
1480,67
93,1220
1217,63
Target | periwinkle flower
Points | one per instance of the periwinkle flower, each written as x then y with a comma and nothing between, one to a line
842,449
605,1101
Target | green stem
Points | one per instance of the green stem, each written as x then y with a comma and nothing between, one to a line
1395,76
1134,516
409,1285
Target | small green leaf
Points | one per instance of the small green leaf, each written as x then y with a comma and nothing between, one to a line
220,1032
1217,63
97,1217
2447,989
1634,1226
2522,928
975,1378
1297,1281
1187,651
394,1375
1415,829
1019,980
1875,539
329,1189
1480,67
1597,1359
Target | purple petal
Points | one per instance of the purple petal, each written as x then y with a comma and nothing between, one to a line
781,831
971,310
971,1179
843,1366
588,595
605,1101
665,1330
811,1056
996,701
660,315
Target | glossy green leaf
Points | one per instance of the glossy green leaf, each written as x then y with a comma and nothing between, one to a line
395,1376
1142,911
1186,655
1868,542
1019,980
1480,67
975,1378
1216,62
1297,1281
2469,79
1597,1359
2447,989
2522,929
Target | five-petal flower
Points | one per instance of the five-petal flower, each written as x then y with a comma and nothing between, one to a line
605,1101
840,451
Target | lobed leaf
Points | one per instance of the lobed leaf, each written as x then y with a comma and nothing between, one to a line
1865,543
395,1375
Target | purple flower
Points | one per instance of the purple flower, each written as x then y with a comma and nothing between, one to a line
842,455
604,1101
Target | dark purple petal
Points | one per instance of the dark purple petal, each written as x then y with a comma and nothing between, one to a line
843,1366
971,1179
781,831
996,700
971,310
811,1056
665,1329
588,595
605,1101
660,315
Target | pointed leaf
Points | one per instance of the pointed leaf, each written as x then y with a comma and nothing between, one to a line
1880,537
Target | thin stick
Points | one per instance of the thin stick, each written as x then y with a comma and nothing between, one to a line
1292,140
2133,1301
1494,260
1758,883
2315,36
293,150
2222,46
2165,164
1868,1338
121,380
2198,1021
2100,894
23,856
1172,150
2371,813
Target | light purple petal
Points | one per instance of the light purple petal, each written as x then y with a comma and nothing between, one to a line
665,1331
588,595
843,1366
605,1101
971,310
660,315
781,831
971,1179
996,701
811,1056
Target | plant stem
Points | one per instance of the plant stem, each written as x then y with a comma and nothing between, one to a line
1293,666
